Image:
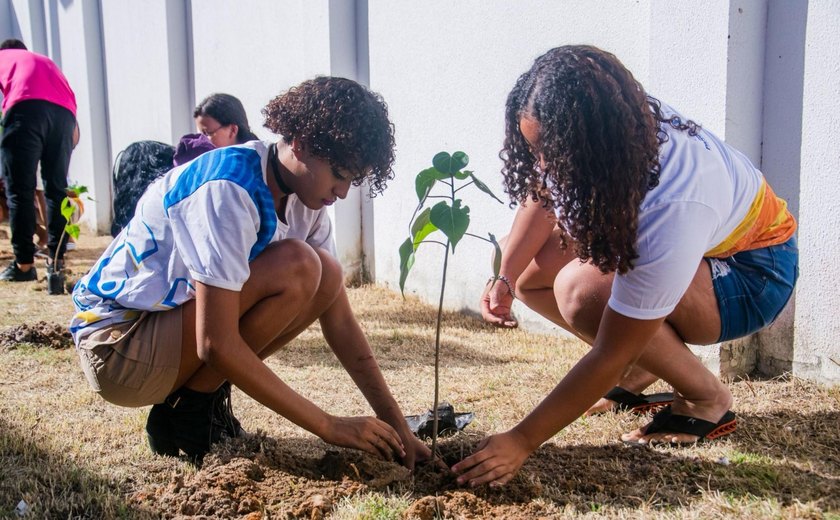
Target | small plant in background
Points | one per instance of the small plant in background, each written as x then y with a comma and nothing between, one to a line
72,209
451,217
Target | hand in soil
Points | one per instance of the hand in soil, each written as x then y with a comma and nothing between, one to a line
497,460
367,434
416,451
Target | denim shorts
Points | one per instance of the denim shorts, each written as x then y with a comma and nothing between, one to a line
753,287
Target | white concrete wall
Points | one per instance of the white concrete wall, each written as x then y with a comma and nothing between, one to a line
148,98
445,69
259,52
75,37
762,74
688,54
784,65
6,19
816,352
26,22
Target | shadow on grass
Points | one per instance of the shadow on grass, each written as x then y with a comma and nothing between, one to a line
809,439
53,485
627,477
393,351
284,476
402,335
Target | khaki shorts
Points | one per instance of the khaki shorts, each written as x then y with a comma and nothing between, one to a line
134,363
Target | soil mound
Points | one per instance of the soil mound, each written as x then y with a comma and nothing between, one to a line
263,477
40,334
259,476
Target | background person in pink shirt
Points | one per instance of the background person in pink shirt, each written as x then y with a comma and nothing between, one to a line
39,120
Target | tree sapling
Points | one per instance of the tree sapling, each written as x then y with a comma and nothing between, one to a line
450,217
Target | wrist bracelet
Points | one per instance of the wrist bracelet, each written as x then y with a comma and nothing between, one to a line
504,279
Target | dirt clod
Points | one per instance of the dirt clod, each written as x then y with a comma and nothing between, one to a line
39,334
427,508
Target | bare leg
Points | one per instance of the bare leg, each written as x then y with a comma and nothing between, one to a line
290,286
536,290
698,393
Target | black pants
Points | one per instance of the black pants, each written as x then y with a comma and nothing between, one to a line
36,131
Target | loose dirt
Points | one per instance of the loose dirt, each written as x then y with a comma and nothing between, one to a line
39,334
263,477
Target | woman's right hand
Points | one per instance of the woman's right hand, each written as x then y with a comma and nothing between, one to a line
496,302
365,433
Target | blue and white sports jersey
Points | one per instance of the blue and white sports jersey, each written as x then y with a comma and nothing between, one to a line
203,221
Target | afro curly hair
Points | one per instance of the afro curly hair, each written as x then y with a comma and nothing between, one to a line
341,121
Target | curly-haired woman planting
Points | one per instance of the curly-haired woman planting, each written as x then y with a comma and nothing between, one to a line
227,259
639,232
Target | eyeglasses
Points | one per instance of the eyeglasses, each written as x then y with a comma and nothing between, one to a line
213,132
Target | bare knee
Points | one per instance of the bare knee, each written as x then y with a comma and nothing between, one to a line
581,300
289,266
332,277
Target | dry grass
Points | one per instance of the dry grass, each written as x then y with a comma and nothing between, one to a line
67,453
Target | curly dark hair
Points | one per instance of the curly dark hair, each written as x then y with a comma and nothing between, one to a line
341,121
599,139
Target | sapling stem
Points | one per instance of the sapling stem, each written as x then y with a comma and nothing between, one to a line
437,355
478,237
464,186
452,219
437,335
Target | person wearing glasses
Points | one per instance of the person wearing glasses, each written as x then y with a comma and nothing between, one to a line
220,121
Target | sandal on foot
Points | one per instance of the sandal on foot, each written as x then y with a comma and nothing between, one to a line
638,403
665,421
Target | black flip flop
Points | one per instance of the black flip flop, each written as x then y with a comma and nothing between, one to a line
665,421
638,403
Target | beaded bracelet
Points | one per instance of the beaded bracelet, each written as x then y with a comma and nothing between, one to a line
506,281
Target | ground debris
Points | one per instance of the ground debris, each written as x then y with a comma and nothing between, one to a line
39,334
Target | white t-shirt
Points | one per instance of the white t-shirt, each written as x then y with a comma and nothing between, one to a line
705,190
204,221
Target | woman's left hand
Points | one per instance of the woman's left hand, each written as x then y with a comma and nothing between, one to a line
497,460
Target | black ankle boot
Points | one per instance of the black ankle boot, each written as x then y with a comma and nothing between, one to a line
223,412
200,420
159,431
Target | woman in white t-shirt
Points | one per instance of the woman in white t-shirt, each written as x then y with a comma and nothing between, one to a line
639,232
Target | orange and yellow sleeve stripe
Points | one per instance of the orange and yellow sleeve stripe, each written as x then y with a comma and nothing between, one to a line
768,223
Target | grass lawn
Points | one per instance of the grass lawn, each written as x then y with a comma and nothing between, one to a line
67,453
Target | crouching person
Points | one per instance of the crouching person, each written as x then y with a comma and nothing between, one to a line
227,259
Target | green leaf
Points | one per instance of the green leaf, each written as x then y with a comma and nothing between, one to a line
463,174
72,230
483,187
450,164
67,209
424,182
497,257
406,262
422,227
453,221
